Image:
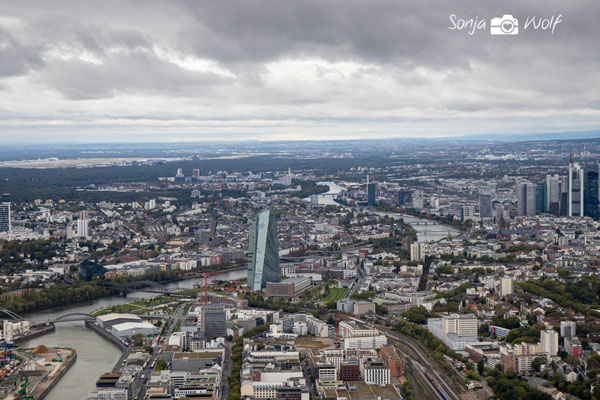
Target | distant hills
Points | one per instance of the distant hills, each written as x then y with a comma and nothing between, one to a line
531,137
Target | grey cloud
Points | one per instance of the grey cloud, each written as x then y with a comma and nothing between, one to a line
17,58
137,72
411,64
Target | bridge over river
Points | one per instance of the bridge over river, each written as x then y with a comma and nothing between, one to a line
144,286
69,317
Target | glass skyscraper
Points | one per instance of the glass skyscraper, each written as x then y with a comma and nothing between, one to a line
526,198
590,199
263,251
485,205
5,223
372,193
405,197
213,322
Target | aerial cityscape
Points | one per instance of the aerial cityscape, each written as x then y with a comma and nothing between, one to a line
446,270
299,200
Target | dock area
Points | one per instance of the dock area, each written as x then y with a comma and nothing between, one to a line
41,369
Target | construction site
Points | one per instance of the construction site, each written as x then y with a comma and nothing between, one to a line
31,373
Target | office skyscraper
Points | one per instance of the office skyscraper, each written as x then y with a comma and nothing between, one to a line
405,197
526,198
541,194
553,194
485,205
213,321
576,189
590,204
263,251
5,222
371,192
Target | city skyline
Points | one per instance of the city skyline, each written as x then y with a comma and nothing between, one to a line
300,200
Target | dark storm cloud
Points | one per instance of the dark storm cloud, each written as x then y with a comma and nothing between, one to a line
364,66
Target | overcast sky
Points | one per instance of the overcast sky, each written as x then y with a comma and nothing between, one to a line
143,70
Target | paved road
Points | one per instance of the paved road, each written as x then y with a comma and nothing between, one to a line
227,366
360,278
139,387
309,382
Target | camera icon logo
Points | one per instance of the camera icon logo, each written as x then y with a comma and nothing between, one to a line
505,25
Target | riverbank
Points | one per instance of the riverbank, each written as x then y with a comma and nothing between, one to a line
95,355
97,292
125,351
43,389
45,368
36,332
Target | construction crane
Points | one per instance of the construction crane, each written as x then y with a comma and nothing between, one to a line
23,390
204,293
241,289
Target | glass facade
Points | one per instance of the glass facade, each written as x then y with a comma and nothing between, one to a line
263,251
591,205
372,194
5,217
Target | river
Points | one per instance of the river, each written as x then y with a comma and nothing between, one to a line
95,355
427,230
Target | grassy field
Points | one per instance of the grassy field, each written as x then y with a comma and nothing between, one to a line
140,306
127,308
322,293
336,294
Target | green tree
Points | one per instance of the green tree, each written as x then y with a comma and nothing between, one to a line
480,366
537,362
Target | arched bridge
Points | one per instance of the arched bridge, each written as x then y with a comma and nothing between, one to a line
71,317
63,318
12,315
148,287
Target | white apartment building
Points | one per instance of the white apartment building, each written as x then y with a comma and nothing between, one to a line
350,329
506,286
328,374
365,342
417,251
518,357
374,372
549,342
461,324
455,330
83,228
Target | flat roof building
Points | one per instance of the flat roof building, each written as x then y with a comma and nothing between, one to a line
289,288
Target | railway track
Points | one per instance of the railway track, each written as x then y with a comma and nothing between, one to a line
436,383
